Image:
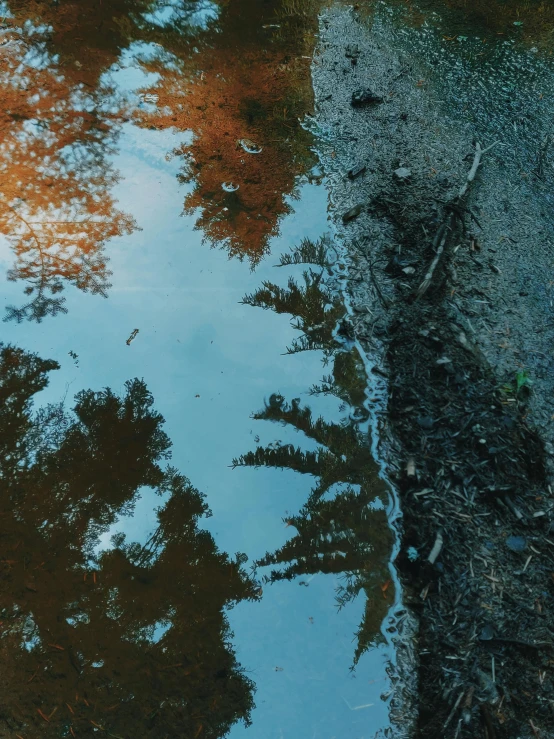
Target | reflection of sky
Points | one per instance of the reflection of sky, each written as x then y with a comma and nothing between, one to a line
196,339
199,15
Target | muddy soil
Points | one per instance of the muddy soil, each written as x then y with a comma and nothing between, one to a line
465,426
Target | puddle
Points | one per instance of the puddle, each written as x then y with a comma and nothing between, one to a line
155,171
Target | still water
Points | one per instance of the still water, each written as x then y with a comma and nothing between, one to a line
194,532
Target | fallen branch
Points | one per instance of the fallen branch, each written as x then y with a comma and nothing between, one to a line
455,207
384,302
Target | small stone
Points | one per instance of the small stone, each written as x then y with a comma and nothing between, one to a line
402,174
352,213
516,543
409,270
397,264
356,171
426,422
487,633
365,97
352,51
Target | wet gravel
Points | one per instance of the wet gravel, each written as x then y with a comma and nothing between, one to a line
466,437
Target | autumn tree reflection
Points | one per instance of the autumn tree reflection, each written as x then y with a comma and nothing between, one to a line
235,74
342,528
242,90
56,211
133,641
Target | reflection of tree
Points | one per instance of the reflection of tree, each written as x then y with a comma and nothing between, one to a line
131,642
339,529
86,37
55,208
244,89
315,307
242,77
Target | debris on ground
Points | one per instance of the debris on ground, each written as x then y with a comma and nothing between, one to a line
444,312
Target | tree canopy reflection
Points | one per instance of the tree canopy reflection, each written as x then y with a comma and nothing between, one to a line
133,641
342,527
230,73
242,90
56,210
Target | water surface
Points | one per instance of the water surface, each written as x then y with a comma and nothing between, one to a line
155,170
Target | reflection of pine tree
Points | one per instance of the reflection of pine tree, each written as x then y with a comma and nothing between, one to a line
134,640
339,534
315,308
339,529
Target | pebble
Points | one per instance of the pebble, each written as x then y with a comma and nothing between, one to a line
356,171
402,174
352,213
365,97
487,633
516,543
426,422
352,51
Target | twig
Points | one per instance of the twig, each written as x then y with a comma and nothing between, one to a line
488,722
436,550
442,235
382,298
453,711
456,207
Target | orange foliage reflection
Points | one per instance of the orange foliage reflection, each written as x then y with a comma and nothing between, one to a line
240,77
56,210
242,95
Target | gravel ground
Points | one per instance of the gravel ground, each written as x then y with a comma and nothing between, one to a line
468,349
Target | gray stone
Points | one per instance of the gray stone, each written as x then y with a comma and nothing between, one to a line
516,543
352,213
402,174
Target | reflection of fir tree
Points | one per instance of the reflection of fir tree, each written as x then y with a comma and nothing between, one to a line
315,308
130,642
339,530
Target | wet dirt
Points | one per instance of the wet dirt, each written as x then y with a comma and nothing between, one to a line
457,326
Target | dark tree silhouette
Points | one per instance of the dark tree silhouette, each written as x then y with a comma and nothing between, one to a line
339,529
133,641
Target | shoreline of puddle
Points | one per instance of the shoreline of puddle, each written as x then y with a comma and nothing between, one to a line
173,317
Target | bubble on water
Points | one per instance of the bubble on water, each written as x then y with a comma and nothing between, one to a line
250,147
230,187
